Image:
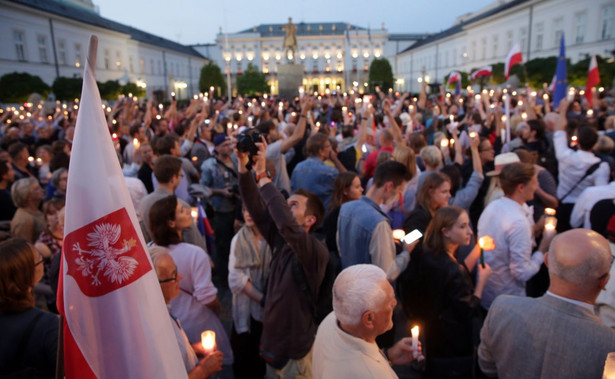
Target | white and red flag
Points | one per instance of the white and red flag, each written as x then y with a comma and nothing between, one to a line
483,71
116,324
514,57
453,77
593,78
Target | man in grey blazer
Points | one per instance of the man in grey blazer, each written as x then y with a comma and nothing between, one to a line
557,335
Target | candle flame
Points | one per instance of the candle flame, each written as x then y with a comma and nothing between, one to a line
486,243
415,331
208,340
398,234
550,211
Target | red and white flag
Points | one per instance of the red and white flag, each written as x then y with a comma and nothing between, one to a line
453,77
514,57
551,87
593,78
483,71
116,324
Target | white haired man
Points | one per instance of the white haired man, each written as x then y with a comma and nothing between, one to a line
345,346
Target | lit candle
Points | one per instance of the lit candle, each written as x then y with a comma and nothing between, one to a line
520,103
212,90
136,143
473,134
415,341
524,116
444,142
485,243
609,367
30,159
452,118
194,211
208,340
398,234
545,97
590,113
452,141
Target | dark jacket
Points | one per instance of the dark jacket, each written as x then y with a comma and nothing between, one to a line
288,325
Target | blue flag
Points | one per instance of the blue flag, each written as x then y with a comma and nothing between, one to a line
561,81
458,87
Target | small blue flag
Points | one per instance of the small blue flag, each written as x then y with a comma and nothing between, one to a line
561,81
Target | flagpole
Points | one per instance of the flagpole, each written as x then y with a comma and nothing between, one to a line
92,50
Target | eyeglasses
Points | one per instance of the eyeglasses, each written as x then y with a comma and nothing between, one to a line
174,278
39,262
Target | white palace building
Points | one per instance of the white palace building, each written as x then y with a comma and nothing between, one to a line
486,36
49,38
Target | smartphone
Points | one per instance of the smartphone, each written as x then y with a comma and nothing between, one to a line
412,236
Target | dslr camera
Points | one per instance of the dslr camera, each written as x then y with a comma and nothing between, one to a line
246,143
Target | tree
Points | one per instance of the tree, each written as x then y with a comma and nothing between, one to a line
109,90
129,88
17,87
211,75
252,82
380,74
67,88
577,73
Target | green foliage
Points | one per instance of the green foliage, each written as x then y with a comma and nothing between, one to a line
211,75
109,90
17,87
252,82
497,73
132,88
577,73
67,88
380,74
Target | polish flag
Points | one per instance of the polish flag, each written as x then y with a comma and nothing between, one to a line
552,84
454,77
483,71
116,324
593,78
513,58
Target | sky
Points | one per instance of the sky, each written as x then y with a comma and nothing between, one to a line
196,22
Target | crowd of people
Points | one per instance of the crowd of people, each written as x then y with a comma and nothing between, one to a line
309,199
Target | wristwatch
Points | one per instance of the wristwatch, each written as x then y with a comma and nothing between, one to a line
261,175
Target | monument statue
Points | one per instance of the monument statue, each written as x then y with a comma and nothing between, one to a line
290,39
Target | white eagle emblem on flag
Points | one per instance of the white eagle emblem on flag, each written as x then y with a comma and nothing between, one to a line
105,256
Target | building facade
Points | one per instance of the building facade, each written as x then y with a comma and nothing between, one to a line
335,56
486,36
50,39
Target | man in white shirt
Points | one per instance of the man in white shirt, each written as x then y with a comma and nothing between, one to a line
345,346
584,204
507,221
278,145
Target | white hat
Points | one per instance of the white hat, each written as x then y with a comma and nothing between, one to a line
502,160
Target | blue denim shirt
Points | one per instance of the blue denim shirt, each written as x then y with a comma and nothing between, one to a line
355,226
213,175
315,176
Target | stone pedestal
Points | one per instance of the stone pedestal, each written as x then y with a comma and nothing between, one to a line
290,78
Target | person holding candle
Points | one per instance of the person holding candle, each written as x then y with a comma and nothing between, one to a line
557,335
345,346
197,305
446,303
169,279
508,221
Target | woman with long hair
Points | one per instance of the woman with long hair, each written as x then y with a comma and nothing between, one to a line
433,194
347,187
197,305
28,345
248,269
444,301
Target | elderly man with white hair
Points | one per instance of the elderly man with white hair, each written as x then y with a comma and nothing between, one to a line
345,346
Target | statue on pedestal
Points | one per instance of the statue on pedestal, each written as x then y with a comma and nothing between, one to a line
290,39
